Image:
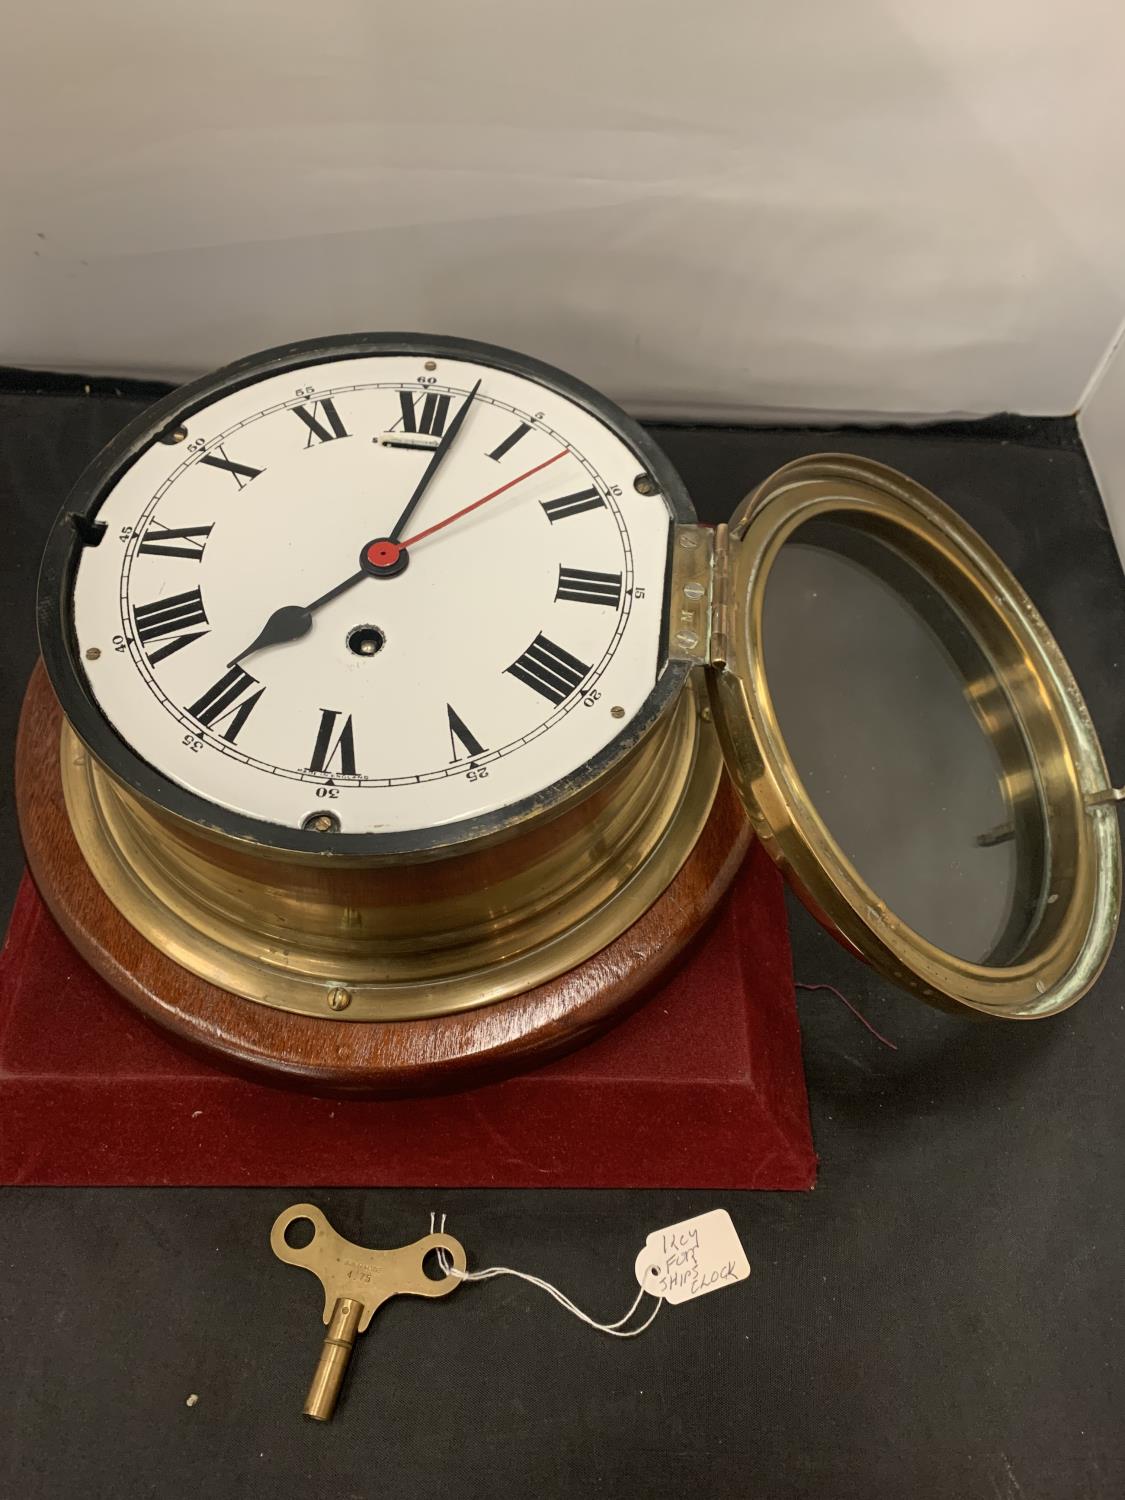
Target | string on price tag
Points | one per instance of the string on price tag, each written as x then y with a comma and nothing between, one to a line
684,1261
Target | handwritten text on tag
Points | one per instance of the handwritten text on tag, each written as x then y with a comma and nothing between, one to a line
692,1258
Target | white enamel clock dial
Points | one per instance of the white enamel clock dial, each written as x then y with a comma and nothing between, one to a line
268,624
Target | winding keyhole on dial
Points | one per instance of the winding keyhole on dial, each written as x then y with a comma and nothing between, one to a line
366,640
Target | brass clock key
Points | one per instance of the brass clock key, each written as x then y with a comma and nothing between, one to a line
356,1282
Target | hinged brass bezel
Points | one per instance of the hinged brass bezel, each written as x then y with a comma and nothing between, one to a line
1071,934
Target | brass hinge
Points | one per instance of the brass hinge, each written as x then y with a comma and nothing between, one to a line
697,605
720,597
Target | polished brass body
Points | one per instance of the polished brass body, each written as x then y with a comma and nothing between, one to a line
355,940
356,1283
1055,780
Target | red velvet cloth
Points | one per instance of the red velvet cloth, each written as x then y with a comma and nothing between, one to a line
701,1087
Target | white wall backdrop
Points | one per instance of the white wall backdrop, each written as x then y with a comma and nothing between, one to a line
1101,423
719,208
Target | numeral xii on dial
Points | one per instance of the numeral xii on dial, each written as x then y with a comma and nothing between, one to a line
430,420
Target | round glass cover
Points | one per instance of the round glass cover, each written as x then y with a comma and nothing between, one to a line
909,742
893,715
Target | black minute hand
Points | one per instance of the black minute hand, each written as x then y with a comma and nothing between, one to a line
431,468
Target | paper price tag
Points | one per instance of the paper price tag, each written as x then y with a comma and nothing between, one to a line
692,1258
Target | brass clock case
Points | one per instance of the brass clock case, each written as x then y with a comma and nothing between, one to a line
354,939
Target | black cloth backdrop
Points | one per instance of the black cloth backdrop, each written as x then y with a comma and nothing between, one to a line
941,1317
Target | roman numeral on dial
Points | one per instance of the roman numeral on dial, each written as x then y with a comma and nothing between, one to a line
242,473
459,730
572,505
583,587
331,742
430,418
228,701
175,541
549,669
164,619
317,429
509,442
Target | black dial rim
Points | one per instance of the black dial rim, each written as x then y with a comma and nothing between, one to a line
80,512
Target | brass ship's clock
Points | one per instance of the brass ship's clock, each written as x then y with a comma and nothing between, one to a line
395,682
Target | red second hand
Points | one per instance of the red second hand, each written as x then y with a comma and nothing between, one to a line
457,514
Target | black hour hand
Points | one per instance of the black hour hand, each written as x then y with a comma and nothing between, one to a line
292,621
289,623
